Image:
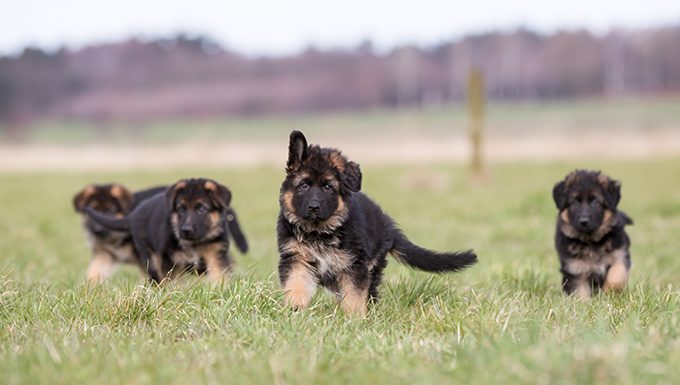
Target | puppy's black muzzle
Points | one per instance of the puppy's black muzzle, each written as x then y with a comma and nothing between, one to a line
187,232
585,220
314,206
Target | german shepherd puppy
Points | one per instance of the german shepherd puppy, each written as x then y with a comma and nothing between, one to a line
331,234
109,248
185,228
591,242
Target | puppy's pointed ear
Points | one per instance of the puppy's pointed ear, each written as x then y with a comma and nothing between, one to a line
560,195
123,195
171,193
612,191
220,195
297,151
351,177
80,199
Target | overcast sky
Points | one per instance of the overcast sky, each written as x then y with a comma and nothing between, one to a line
260,27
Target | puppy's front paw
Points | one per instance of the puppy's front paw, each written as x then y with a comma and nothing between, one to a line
297,300
617,278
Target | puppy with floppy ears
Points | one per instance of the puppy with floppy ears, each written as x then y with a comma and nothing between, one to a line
184,228
590,239
109,248
332,235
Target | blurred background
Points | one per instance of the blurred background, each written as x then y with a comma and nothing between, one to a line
129,85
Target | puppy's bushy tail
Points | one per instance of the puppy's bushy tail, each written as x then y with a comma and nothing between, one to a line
235,231
422,259
109,222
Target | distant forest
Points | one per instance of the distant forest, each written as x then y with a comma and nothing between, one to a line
194,77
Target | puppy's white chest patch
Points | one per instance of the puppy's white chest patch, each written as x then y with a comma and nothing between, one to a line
594,262
187,255
123,254
326,257
331,261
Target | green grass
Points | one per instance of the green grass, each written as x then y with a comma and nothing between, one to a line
503,321
639,114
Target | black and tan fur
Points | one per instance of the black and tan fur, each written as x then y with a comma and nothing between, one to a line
591,241
185,228
332,235
109,248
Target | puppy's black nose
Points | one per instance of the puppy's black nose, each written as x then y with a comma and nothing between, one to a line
314,206
584,221
187,231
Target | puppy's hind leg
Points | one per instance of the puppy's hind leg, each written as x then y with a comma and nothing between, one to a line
376,277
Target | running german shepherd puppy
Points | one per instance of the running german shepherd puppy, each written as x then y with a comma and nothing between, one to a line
109,248
331,234
590,238
185,228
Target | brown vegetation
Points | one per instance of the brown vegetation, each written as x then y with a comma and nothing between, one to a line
184,77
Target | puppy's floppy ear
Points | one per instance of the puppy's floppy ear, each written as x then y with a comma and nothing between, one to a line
219,195
560,195
80,199
171,193
612,190
297,150
351,177
123,195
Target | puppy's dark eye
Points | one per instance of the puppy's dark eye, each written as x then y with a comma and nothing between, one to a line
201,210
326,188
595,203
181,209
304,186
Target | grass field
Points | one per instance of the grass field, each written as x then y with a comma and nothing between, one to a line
503,321
633,114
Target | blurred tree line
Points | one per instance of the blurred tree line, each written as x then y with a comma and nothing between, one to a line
194,77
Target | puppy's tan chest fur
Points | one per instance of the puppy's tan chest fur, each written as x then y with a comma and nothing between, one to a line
326,258
189,253
121,251
185,256
192,254
588,260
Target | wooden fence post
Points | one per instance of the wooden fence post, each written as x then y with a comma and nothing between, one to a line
476,110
